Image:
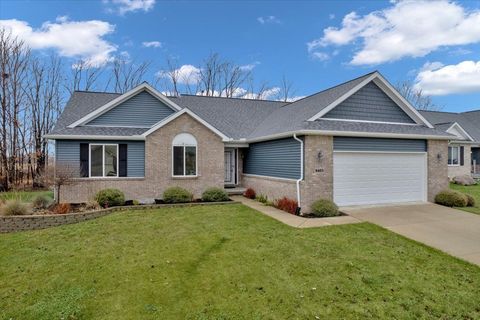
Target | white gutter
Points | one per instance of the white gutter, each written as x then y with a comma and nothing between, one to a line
301,168
91,137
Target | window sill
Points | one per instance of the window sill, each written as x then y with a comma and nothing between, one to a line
454,165
185,177
108,178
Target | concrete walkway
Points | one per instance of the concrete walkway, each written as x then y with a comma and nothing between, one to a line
452,231
292,220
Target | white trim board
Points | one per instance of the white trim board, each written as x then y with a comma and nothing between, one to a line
175,115
458,127
124,97
393,94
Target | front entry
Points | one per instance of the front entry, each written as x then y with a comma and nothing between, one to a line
230,167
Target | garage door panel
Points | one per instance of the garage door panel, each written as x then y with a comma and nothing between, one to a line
370,178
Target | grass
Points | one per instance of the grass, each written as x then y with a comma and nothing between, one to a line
472,190
25,196
227,262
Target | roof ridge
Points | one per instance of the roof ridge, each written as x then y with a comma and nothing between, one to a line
470,111
89,91
230,98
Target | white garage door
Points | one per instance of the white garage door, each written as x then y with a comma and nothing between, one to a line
374,178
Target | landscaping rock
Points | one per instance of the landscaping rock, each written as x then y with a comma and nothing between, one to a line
146,201
464,180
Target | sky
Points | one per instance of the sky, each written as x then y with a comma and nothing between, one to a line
315,45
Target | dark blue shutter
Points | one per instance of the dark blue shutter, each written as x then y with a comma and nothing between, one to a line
83,159
462,156
122,159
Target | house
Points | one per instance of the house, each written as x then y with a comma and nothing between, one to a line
357,143
464,149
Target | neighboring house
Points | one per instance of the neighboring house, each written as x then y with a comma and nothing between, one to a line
464,149
357,143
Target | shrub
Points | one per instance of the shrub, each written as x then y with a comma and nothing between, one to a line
470,201
110,198
262,198
451,198
41,201
286,204
249,193
324,208
62,208
214,195
177,195
15,208
135,202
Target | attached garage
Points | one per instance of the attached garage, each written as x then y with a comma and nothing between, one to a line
378,171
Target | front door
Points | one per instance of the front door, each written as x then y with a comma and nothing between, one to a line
230,167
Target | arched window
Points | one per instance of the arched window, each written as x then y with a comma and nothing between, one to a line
184,155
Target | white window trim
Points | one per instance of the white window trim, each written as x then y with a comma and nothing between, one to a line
184,145
103,160
458,156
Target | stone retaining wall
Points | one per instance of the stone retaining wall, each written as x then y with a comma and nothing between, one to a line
34,222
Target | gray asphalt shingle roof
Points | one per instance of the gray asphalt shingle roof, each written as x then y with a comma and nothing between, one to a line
238,118
469,121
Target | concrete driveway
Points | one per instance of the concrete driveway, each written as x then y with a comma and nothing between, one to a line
453,231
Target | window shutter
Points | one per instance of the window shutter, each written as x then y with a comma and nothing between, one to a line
462,156
83,159
122,160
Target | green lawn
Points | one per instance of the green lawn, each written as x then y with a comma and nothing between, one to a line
227,262
26,196
472,190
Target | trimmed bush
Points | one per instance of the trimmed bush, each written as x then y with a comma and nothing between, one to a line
110,198
249,193
470,201
262,198
177,195
92,205
286,204
214,195
41,202
15,208
324,208
62,208
451,198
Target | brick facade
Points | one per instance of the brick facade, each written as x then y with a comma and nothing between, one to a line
437,167
466,169
158,166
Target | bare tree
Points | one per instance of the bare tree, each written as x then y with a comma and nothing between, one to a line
44,101
14,58
286,90
416,97
126,75
65,174
84,76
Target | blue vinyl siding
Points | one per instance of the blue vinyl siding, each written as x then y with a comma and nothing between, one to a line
276,158
378,144
142,110
369,103
68,152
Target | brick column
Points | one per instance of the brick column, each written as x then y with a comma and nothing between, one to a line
318,172
437,167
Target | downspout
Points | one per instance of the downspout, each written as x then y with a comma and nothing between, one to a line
301,171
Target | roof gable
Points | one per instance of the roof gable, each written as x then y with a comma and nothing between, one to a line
458,131
369,103
387,88
122,98
140,110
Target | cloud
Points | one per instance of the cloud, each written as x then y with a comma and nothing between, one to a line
124,6
187,74
269,20
152,44
406,29
322,56
437,79
74,39
249,67
331,16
